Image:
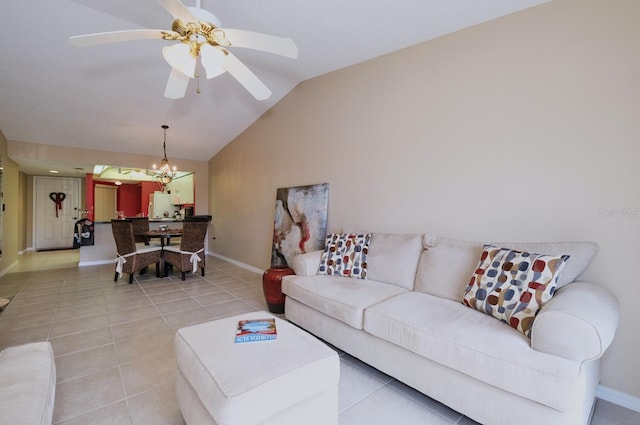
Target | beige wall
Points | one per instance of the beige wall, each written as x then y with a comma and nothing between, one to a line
524,128
10,218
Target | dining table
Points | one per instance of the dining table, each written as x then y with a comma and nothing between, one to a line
164,235
165,239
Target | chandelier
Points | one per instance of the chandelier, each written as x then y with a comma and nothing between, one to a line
165,173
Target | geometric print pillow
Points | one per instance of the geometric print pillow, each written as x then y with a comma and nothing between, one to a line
345,254
513,285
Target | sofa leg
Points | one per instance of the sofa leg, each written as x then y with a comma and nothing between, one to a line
202,271
130,278
166,269
183,276
158,269
115,278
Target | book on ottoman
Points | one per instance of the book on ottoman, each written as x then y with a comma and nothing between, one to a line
252,330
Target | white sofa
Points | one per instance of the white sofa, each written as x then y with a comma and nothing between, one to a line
407,319
27,384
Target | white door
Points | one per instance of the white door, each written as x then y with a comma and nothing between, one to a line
57,208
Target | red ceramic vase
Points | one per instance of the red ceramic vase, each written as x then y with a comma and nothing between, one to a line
272,287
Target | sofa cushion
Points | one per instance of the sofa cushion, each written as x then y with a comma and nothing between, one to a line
476,345
342,298
345,254
447,265
580,253
513,285
394,257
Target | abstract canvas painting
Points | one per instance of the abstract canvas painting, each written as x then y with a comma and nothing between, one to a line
300,223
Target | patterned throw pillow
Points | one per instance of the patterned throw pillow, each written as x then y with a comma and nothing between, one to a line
513,285
345,254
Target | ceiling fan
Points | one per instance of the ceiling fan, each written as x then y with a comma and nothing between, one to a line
199,35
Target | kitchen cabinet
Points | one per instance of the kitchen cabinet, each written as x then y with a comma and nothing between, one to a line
182,190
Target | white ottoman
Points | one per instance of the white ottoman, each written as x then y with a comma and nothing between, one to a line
290,380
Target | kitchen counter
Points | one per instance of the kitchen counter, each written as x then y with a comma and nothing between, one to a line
152,220
104,249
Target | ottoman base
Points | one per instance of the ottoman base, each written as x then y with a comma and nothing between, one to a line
318,410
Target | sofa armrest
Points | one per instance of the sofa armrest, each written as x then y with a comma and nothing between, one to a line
578,323
307,264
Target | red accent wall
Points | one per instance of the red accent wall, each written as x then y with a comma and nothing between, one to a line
133,199
129,199
89,197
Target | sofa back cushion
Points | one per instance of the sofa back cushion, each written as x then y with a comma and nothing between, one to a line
447,265
393,258
580,253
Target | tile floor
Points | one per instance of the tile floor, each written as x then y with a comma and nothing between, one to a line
114,343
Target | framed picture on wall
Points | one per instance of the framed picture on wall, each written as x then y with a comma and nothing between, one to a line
300,222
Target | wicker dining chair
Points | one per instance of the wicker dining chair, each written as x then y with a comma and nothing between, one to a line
140,226
190,255
131,258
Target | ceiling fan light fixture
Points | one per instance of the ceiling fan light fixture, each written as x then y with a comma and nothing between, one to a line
165,173
212,60
178,56
196,31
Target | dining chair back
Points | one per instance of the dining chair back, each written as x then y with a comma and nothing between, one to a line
190,255
131,258
140,226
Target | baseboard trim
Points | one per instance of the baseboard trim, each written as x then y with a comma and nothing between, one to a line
237,263
95,263
9,267
230,260
618,397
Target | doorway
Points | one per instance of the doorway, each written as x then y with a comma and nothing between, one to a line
105,200
57,208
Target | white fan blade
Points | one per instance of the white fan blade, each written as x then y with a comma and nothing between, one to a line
177,85
248,79
178,10
115,37
179,58
212,60
264,42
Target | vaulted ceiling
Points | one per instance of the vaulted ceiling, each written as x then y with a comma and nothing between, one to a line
110,97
